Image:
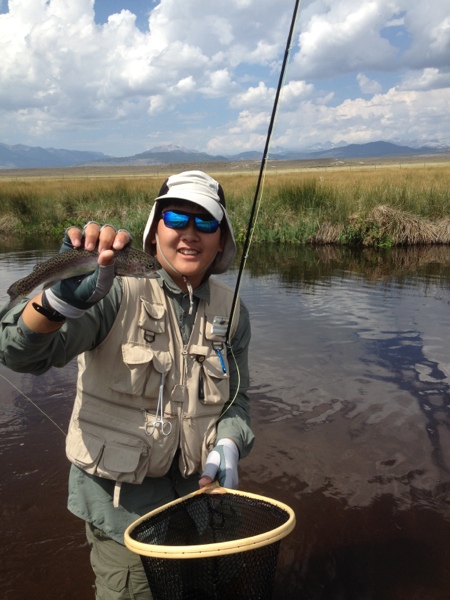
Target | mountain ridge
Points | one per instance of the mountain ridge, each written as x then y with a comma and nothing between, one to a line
21,156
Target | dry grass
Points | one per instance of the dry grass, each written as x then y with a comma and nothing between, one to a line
327,234
8,223
385,222
443,231
380,205
401,227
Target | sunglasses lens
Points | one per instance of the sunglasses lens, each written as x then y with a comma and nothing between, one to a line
175,220
206,225
179,220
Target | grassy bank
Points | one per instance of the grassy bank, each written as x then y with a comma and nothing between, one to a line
383,207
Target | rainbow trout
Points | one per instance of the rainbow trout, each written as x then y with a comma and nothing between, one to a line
75,263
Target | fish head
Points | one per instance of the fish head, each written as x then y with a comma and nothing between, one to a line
139,264
142,271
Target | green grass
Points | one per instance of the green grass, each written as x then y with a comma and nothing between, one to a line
370,207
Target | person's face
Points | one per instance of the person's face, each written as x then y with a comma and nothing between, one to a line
187,250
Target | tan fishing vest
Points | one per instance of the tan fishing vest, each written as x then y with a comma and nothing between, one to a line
113,431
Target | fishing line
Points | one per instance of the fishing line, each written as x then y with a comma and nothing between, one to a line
260,182
34,404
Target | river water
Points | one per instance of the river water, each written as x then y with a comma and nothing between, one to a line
351,408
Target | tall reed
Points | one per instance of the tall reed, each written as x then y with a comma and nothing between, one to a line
361,206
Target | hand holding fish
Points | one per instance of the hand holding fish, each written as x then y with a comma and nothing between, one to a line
103,238
80,275
71,297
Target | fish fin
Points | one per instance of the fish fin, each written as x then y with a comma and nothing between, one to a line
14,296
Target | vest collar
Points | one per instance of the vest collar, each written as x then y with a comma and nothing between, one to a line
202,292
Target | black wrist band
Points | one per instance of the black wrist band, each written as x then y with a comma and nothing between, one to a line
51,315
47,311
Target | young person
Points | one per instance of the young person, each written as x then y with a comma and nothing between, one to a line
161,404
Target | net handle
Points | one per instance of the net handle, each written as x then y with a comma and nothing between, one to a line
212,488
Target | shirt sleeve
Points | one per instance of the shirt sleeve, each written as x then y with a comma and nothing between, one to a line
26,351
235,421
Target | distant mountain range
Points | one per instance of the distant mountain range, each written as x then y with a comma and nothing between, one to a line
28,157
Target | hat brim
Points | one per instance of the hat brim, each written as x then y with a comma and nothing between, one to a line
212,206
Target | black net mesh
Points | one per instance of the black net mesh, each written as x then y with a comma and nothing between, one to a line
211,519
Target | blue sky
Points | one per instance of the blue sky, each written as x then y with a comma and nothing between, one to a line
121,77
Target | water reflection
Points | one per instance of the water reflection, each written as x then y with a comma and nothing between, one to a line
351,373
307,266
350,390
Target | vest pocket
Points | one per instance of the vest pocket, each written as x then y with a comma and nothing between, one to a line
110,451
120,460
84,450
138,370
215,382
125,461
193,454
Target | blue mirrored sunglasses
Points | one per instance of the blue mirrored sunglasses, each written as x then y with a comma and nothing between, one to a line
177,219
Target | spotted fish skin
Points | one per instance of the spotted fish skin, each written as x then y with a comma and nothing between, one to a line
128,262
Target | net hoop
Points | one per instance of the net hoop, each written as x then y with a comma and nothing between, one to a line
215,549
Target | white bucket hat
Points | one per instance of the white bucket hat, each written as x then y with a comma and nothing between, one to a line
201,189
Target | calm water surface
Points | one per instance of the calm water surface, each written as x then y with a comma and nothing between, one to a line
351,408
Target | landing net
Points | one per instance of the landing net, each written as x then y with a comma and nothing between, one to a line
212,545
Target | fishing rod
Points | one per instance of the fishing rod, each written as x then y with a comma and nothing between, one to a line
258,191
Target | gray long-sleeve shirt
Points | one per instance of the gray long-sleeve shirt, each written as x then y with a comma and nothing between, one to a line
91,497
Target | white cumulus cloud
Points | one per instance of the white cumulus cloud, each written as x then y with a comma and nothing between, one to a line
204,74
368,86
